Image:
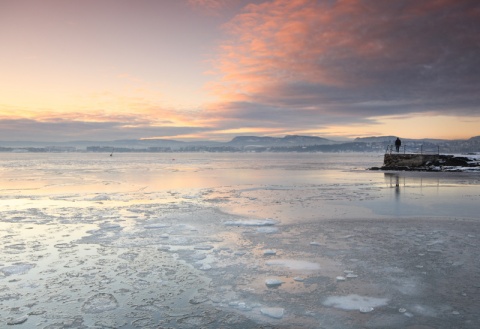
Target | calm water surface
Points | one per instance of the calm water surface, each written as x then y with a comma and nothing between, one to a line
391,193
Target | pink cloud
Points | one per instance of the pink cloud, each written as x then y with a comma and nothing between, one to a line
311,64
340,44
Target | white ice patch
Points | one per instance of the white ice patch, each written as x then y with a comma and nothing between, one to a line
424,310
19,268
110,226
203,247
155,226
15,321
100,197
267,230
100,303
252,222
293,264
273,312
270,283
354,302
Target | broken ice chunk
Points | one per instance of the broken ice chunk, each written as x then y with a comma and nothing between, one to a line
294,264
269,252
99,303
155,226
19,268
271,283
100,197
198,257
244,306
20,320
252,222
367,309
65,245
273,312
203,247
355,302
267,230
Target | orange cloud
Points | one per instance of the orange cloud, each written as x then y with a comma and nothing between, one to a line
340,43
323,65
276,41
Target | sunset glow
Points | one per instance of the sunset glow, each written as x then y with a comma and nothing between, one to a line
215,69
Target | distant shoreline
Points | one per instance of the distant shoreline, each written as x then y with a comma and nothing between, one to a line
289,143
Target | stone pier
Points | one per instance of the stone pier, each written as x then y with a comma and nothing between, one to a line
424,162
409,160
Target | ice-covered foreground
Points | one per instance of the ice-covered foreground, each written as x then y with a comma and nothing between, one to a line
235,241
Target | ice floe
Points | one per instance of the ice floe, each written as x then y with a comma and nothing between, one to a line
99,303
15,321
355,302
269,252
155,226
267,230
100,197
293,264
19,268
366,309
273,312
203,247
271,283
252,222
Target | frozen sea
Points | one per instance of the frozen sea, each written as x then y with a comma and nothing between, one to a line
240,240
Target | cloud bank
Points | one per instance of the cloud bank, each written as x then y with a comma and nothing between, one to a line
314,63
133,69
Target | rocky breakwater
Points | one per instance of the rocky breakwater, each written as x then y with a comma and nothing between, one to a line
431,162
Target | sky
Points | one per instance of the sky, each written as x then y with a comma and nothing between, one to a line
215,69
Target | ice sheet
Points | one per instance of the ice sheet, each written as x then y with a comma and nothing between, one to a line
145,241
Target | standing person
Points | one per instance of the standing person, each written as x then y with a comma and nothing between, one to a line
398,142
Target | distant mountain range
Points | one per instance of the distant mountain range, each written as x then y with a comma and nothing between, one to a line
289,140
288,143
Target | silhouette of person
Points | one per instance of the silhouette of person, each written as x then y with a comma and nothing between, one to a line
398,142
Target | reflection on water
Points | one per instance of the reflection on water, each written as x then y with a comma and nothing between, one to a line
398,182
315,180
428,194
